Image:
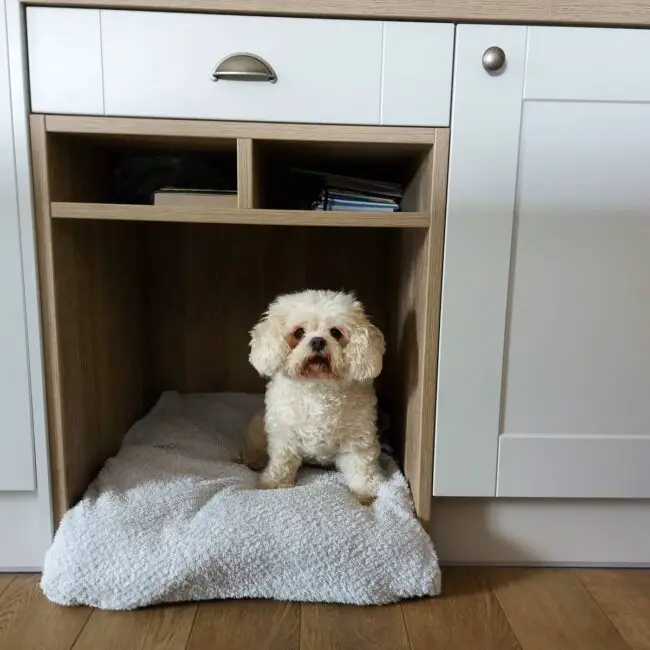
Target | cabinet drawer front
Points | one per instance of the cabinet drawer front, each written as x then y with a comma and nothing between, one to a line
587,64
160,65
417,71
65,60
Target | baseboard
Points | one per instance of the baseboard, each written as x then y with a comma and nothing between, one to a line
549,565
541,532
25,531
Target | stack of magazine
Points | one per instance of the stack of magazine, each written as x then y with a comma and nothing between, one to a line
351,194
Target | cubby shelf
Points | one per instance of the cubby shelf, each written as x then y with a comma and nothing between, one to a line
140,298
201,214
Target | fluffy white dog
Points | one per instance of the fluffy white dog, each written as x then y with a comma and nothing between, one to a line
321,354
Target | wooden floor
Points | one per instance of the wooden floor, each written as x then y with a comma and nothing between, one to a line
480,609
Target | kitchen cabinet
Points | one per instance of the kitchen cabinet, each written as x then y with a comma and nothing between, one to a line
544,357
544,368
25,508
17,472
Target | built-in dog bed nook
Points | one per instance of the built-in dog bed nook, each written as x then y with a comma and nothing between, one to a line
150,294
174,517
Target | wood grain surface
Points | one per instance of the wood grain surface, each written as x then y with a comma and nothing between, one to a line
467,615
634,13
165,128
625,598
263,625
30,622
479,609
157,628
334,627
551,609
204,214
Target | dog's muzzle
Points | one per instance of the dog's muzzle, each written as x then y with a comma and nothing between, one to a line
318,344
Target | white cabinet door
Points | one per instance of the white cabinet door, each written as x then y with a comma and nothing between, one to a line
544,379
16,440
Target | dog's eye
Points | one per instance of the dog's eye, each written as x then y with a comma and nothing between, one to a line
336,333
298,333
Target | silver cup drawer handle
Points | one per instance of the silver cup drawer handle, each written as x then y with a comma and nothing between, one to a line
244,67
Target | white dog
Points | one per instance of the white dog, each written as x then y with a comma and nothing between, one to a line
322,355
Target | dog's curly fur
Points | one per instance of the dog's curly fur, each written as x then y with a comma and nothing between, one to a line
321,354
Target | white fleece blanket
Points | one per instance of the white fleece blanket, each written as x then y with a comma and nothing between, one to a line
172,517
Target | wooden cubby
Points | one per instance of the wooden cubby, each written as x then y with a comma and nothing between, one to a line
138,298
278,187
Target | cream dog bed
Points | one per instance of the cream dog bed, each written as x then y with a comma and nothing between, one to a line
172,517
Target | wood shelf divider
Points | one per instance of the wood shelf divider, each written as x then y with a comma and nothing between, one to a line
246,179
160,129
202,214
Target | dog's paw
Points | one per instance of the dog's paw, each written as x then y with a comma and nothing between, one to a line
255,461
267,483
364,499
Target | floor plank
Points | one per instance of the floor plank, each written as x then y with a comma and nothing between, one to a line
489,609
625,597
466,615
155,628
549,609
246,625
28,621
346,627
5,580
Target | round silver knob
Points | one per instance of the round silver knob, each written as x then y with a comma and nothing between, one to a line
494,58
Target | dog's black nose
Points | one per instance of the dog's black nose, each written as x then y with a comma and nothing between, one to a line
318,344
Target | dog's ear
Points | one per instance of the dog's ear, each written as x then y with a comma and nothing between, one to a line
268,347
365,352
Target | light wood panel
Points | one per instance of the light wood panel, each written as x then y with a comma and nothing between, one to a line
98,304
202,307
205,214
237,625
466,615
246,177
5,580
334,627
418,318
160,628
91,304
50,325
559,12
164,128
625,597
30,622
551,609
